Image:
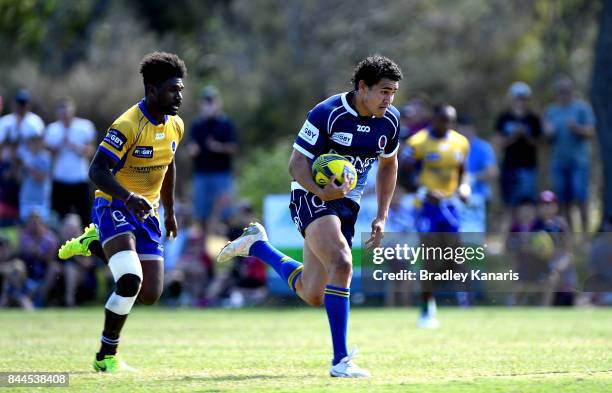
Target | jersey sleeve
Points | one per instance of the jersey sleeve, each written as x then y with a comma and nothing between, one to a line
118,140
180,128
312,138
392,146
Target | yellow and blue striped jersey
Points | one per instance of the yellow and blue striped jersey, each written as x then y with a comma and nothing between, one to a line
440,159
143,149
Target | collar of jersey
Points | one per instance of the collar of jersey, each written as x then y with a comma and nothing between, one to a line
145,112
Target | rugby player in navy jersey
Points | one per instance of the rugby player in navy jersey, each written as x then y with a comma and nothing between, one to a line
362,126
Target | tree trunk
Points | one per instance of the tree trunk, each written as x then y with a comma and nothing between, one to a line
601,96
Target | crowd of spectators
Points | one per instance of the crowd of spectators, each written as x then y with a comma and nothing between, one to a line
45,194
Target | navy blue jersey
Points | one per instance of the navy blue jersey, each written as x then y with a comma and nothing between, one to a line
333,126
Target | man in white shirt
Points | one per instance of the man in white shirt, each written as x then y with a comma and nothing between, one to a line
71,139
21,125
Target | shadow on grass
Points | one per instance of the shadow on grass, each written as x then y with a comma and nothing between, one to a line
229,378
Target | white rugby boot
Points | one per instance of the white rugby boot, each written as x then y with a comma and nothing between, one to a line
240,246
347,369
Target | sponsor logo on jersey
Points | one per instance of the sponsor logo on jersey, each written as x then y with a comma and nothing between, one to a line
342,138
173,146
148,169
361,128
309,133
115,139
143,151
432,156
159,135
361,164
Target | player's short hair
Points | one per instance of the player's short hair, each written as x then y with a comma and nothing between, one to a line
158,67
374,68
441,109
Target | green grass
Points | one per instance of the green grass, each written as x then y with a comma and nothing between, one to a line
273,350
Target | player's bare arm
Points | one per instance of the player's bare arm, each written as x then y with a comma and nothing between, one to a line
100,173
385,187
167,199
300,169
464,190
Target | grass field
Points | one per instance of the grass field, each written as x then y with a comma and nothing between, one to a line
475,350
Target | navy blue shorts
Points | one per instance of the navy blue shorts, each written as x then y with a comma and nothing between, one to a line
306,207
113,219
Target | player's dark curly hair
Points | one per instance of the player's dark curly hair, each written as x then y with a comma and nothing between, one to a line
374,68
158,67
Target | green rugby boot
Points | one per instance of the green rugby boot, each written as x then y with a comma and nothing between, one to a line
79,245
111,364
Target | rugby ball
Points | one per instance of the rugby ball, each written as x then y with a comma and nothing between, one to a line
327,165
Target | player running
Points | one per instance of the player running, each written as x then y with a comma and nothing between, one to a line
362,126
440,152
133,169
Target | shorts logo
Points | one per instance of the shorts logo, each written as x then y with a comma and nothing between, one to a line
143,152
363,128
309,133
317,202
342,138
173,146
119,218
115,138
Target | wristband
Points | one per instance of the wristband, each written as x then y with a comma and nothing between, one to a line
128,197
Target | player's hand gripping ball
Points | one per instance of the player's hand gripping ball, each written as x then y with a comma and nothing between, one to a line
327,165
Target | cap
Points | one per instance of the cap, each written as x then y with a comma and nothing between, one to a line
519,90
547,197
22,96
209,92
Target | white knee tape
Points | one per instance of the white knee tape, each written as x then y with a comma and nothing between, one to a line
125,262
119,304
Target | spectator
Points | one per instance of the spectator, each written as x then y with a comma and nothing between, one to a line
481,162
518,130
9,187
415,116
37,248
19,126
570,124
13,288
212,147
71,140
561,280
35,192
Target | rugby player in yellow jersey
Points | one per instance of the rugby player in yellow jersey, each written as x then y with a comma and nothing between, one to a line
439,154
134,169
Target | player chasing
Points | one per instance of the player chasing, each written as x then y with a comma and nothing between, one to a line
362,126
133,169
440,152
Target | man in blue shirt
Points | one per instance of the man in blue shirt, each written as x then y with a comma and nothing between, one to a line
362,126
481,162
213,147
570,123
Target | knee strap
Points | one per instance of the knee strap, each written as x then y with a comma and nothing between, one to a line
127,272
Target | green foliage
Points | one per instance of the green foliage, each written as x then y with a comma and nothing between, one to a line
264,171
